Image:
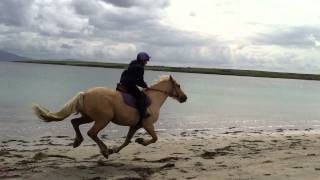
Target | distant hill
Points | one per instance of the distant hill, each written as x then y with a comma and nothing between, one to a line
234,72
6,56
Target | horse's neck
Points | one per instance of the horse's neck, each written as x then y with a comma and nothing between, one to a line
158,98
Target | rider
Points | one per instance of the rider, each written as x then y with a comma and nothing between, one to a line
133,77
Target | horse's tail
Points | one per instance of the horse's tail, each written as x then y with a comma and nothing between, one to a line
74,105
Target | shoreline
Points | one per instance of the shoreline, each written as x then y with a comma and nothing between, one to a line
199,154
198,70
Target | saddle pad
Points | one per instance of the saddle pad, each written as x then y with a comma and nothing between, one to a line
131,101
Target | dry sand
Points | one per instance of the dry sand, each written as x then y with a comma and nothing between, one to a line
198,154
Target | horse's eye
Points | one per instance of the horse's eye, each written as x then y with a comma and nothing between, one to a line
178,86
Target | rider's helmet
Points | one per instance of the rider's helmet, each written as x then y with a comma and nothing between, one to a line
143,56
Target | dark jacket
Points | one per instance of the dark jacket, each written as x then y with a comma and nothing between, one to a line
133,75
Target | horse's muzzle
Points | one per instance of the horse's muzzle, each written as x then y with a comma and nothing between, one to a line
183,99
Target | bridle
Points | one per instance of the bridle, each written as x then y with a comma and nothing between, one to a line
172,93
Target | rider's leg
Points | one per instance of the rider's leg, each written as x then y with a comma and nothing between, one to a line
141,104
140,101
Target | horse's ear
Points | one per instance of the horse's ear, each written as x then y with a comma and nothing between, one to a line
170,77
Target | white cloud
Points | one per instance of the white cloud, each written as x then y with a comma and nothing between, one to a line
209,33
315,40
139,3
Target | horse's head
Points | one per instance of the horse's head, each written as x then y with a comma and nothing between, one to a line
176,92
170,87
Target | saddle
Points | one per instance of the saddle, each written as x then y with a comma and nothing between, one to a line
128,98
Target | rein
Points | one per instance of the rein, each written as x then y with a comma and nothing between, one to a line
170,94
164,92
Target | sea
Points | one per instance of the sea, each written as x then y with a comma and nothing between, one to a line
216,103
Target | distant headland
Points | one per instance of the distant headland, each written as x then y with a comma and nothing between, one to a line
234,72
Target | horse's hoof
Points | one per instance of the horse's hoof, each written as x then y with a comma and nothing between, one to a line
111,151
139,140
77,143
105,154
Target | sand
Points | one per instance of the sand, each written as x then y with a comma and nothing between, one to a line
197,154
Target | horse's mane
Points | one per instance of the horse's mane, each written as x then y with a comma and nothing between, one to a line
161,78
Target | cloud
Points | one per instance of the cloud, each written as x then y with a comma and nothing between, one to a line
314,40
192,14
85,7
139,3
66,46
142,30
48,18
15,12
116,30
299,37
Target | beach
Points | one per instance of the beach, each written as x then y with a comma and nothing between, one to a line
195,154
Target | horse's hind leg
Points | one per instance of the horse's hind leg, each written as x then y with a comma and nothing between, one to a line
76,122
93,132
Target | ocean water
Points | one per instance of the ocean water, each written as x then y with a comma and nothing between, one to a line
215,102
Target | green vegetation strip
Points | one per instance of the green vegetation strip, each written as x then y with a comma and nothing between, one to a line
234,72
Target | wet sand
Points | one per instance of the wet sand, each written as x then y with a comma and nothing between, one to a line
198,154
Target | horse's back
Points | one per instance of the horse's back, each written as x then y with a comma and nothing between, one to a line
101,91
97,99
104,100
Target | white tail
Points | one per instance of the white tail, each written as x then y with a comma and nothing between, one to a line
72,106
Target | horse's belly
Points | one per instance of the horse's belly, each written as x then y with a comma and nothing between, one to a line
125,121
126,117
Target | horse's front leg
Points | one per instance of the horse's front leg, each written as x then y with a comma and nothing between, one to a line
130,134
150,129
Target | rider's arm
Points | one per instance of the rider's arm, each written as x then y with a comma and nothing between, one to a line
140,79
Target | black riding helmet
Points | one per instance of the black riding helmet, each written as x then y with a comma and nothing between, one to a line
143,56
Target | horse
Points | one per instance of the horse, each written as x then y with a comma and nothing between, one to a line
102,105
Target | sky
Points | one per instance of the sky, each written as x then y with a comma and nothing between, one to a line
272,35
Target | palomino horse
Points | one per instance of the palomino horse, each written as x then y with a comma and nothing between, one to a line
103,105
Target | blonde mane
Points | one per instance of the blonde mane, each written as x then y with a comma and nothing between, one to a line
161,78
